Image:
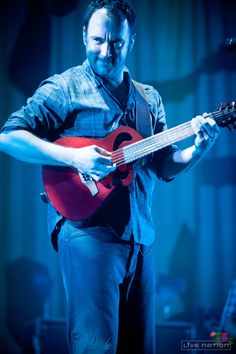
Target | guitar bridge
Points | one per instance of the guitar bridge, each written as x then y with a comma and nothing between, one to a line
89,182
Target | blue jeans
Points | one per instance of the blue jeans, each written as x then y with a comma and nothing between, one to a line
110,291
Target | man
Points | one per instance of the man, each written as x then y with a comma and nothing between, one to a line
106,260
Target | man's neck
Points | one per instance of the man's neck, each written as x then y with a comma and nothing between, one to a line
121,92
113,84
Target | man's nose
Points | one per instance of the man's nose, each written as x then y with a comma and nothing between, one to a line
105,49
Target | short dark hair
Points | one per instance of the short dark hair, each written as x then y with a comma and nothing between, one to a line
118,7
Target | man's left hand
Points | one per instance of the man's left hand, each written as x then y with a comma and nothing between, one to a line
206,131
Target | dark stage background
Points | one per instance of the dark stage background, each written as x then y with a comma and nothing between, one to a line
180,50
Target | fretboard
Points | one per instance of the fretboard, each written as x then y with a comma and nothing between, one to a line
156,142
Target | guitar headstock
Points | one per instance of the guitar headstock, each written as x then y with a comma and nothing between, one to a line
225,115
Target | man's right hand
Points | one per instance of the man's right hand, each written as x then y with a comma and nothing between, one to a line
93,161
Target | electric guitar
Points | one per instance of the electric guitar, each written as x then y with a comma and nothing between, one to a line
77,196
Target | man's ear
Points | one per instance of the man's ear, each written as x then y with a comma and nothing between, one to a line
132,40
84,36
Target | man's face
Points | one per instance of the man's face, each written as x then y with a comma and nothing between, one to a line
108,42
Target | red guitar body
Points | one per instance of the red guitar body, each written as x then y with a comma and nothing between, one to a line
74,195
77,196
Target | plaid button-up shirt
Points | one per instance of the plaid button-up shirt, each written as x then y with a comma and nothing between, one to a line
77,103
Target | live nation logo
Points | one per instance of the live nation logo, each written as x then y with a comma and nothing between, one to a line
196,344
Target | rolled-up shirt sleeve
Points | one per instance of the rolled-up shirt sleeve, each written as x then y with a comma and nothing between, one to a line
44,113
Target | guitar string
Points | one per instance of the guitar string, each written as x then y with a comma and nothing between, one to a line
157,144
151,141
134,154
145,147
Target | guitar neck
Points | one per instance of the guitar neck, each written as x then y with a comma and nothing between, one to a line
156,142
224,117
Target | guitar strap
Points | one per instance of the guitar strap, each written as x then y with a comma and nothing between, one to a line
143,116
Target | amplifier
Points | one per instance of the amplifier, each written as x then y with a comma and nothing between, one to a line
170,334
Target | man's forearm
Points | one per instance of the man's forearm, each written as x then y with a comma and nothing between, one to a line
206,131
92,160
25,146
180,161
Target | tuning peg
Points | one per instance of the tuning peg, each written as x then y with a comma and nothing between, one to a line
222,106
226,116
